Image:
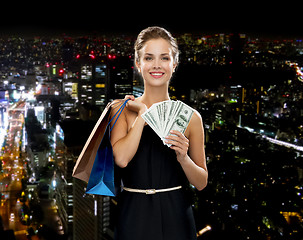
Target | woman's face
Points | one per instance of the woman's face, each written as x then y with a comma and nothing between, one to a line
156,62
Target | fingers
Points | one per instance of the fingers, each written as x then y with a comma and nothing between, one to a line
178,141
177,136
180,144
131,97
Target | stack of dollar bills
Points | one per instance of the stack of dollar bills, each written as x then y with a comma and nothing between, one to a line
168,115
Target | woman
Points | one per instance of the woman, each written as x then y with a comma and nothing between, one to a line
153,204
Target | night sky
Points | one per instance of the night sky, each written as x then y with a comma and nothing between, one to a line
84,17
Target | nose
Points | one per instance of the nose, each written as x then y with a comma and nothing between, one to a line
156,64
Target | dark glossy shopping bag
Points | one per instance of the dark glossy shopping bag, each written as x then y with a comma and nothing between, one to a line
102,178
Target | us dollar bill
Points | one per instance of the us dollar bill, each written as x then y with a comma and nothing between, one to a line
168,115
151,119
181,119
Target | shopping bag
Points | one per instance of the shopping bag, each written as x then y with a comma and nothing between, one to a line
102,179
85,161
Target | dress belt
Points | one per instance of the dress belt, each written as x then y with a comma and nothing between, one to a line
151,191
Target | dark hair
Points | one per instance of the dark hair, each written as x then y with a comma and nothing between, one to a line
155,33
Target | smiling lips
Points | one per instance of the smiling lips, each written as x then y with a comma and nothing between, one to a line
156,74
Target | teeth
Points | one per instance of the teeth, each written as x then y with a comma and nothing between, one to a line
157,74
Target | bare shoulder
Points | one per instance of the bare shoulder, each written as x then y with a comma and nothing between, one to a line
197,117
195,125
127,115
196,120
114,106
119,120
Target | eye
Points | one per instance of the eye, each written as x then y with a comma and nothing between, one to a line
148,58
165,58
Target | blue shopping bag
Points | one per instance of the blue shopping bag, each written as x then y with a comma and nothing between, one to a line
102,179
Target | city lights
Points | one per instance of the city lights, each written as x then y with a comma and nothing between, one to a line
202,231
249,92
54,183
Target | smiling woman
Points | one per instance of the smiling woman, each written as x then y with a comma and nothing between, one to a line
154,203
156,62
156,33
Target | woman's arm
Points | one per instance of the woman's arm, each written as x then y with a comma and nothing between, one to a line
125,143
190,152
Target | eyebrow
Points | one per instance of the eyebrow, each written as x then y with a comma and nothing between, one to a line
162,54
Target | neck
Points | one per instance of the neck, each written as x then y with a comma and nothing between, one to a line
153,95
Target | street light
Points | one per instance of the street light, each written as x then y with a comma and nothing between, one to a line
54,183
202,231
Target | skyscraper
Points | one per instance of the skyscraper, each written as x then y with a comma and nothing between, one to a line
102,79
121,77
93,85
91,215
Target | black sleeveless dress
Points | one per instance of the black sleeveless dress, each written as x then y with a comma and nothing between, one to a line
160,216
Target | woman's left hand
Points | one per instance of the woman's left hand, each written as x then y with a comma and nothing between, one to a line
179,143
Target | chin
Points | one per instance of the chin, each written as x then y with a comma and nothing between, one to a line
157,82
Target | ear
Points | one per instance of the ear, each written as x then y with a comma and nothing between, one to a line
138,66
175,66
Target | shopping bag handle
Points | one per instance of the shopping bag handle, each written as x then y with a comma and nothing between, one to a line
119,113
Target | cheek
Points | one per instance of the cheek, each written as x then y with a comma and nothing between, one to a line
169,67
145,66
144,70
141,66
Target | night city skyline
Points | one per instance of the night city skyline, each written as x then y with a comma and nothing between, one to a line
59,71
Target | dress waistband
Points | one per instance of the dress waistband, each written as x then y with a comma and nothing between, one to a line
151,191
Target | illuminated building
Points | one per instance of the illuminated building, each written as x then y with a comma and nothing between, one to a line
92,215
93,80
100,80
104,78
121,77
